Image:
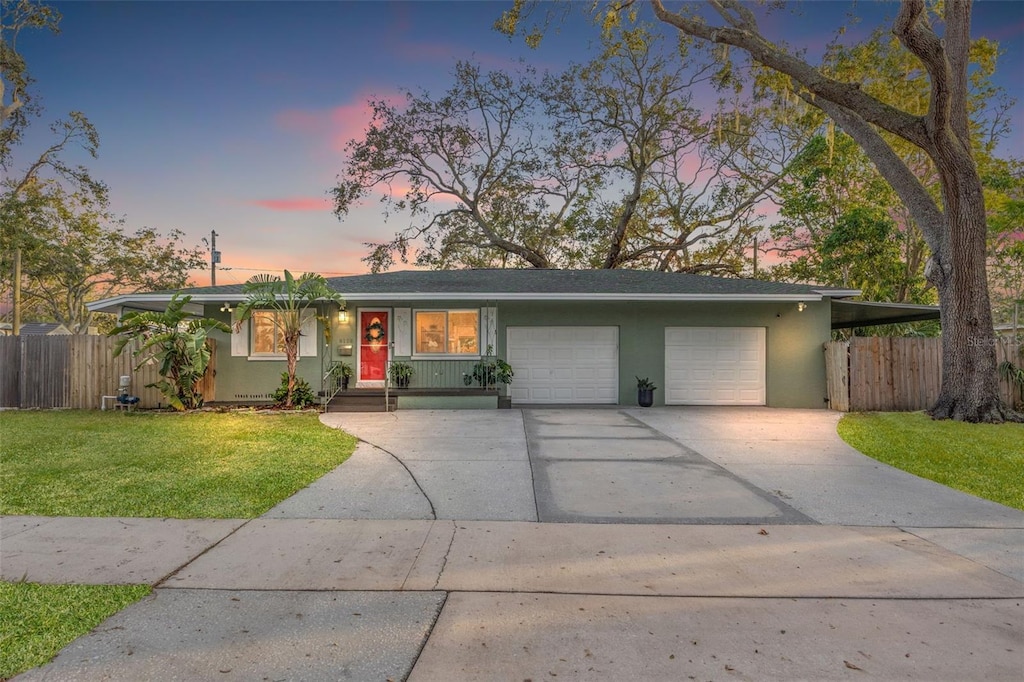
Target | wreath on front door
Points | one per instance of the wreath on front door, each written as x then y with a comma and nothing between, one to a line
374,332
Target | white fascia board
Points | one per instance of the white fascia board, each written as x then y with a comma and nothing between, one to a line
838,293
140,301
434,296
132,300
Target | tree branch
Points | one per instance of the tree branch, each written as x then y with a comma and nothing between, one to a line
850,96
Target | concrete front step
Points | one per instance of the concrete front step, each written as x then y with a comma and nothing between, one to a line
362,406
362,401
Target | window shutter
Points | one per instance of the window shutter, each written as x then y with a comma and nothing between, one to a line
239,337
308,341
401,331
490,329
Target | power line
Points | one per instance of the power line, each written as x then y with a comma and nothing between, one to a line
282,269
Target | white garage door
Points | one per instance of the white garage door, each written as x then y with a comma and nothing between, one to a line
564,364
714,365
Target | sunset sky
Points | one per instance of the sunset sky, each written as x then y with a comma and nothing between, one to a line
232,115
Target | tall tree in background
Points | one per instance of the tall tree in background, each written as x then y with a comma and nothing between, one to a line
18,107
678,191
836,226
606,165
1004,197
75,251
954,224
473,166
55,214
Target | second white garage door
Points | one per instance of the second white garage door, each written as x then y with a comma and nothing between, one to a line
714,366
564,364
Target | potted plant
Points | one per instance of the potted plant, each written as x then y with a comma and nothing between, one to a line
400,373
645,392
487,374
345,371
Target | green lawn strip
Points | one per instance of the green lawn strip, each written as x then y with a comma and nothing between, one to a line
191,465
37,621
986,460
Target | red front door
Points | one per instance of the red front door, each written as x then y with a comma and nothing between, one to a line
373,345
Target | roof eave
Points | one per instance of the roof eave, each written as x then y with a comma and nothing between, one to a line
113,305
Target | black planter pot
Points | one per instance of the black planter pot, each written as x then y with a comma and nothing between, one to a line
645,397
402,382
344,383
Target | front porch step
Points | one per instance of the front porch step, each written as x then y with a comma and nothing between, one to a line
362,402
372,399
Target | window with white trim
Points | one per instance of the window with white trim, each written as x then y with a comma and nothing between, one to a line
446,332
261,337
267,332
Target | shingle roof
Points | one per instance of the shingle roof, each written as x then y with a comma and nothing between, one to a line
42,328
537,283
526,284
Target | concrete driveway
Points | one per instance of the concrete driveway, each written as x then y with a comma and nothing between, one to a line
688,544
668,465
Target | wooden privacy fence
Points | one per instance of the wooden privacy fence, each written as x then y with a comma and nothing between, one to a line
893,374
76,371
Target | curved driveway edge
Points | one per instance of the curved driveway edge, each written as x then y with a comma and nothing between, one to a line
468,464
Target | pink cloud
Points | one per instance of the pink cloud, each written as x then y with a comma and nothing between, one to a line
339,124
295,204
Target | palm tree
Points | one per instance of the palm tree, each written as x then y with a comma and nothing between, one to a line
288,298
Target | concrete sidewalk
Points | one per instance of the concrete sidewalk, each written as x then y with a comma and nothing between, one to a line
833,567
319,599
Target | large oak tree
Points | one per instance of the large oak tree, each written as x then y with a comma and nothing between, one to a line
605,165
954,224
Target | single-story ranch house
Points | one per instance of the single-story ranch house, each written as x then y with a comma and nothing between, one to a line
571,336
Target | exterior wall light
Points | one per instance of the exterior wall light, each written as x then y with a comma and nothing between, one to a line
226,308
801,306
342,316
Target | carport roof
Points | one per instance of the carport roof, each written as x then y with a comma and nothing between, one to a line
521,284
847,314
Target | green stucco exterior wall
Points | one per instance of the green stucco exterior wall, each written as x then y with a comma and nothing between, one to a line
795,367
795,364
241,380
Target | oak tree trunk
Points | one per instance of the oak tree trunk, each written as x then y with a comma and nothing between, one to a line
970,384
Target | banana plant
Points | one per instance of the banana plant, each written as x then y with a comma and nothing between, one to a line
176,341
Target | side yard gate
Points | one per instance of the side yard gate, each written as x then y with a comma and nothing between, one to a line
892,374
75,372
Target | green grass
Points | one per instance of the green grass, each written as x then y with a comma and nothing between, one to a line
192,465
986,460
37,621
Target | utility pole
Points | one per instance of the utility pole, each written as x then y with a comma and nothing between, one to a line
16,322
214,258
755,256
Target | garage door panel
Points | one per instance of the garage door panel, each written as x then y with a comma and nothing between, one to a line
564,364
715,365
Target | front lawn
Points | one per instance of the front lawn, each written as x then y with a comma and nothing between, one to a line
37,621
986,460
192,465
